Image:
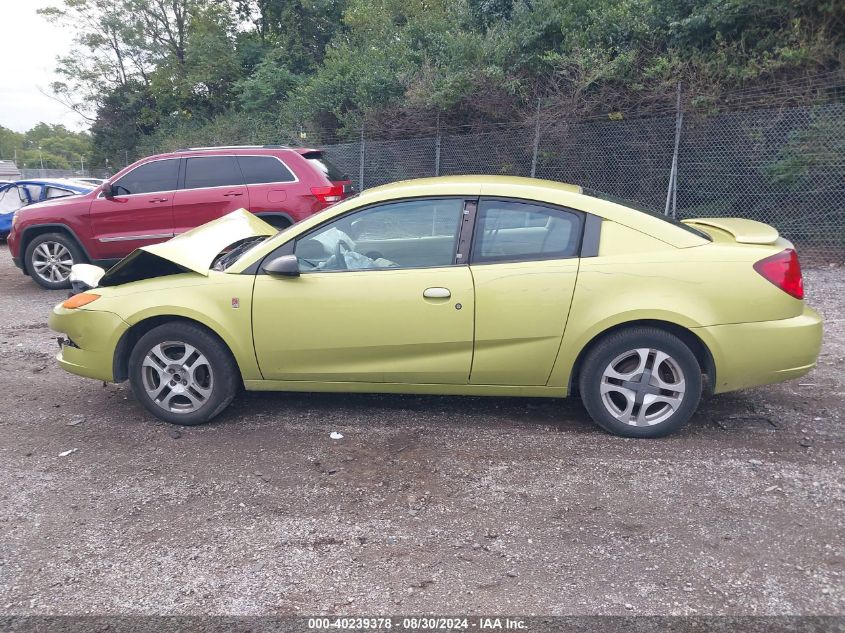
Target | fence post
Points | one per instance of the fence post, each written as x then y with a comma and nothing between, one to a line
361,159
437,148
536,142
672,191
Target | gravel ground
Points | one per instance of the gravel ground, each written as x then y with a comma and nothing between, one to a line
427,504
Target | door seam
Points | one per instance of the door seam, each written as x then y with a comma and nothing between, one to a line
474,317
565,323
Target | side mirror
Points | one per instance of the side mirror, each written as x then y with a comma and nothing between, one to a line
285,265
108,190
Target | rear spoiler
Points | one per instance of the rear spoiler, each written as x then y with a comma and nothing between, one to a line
743,231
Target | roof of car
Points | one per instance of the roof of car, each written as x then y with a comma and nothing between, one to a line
72,185
298,150
478,180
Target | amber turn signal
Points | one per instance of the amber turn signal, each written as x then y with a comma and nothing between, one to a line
82,299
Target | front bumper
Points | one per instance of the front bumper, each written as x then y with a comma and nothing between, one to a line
95,335
762,353
14,247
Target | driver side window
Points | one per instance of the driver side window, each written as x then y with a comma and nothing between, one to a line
407,234
152,177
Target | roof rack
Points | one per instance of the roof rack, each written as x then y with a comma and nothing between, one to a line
202,149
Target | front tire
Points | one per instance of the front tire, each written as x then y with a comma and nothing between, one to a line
49,258
182,373
641,382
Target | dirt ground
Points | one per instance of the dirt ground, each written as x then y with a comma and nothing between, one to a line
427,504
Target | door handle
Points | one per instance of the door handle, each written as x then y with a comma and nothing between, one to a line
232,194
153,200
437,293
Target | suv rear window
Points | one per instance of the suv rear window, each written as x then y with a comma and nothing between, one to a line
212,171
329,169
263,169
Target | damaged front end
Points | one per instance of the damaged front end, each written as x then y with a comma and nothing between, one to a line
194,251
84,277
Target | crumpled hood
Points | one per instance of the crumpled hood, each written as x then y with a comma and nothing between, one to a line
197,248
193,251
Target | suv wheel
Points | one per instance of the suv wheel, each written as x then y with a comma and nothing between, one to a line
182,374
49,258
642,382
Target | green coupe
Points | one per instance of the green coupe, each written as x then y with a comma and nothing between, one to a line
472,285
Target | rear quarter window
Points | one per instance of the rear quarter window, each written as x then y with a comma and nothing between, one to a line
264,169
325,166
56,192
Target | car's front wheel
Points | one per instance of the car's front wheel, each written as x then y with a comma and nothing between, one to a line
641,382
182,373
49,258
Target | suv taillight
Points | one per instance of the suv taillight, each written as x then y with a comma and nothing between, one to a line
328,195
784,271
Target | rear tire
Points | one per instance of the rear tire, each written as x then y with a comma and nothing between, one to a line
641,382
182,373
49,258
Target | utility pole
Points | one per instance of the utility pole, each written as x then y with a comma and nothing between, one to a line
536,142
41,158
672,191
361,159
82,164
437,147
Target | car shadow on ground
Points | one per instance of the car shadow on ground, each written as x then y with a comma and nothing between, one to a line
716,415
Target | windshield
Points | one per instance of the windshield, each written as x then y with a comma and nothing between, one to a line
237,250
632,205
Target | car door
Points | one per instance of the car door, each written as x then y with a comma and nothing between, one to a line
271,185
12,198
140,212
524,262
212,186
379,300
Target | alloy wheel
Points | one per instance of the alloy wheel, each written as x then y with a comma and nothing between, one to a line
642,387
52,262
177,377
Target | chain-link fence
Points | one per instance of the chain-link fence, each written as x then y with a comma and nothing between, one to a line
785,167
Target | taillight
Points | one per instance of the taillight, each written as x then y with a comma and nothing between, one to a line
784,271
328,195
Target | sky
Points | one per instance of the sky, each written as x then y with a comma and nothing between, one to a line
28,49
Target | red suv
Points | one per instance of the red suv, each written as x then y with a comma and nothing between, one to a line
161,196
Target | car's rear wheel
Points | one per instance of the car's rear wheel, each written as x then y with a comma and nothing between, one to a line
49,258
182,373
641,382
